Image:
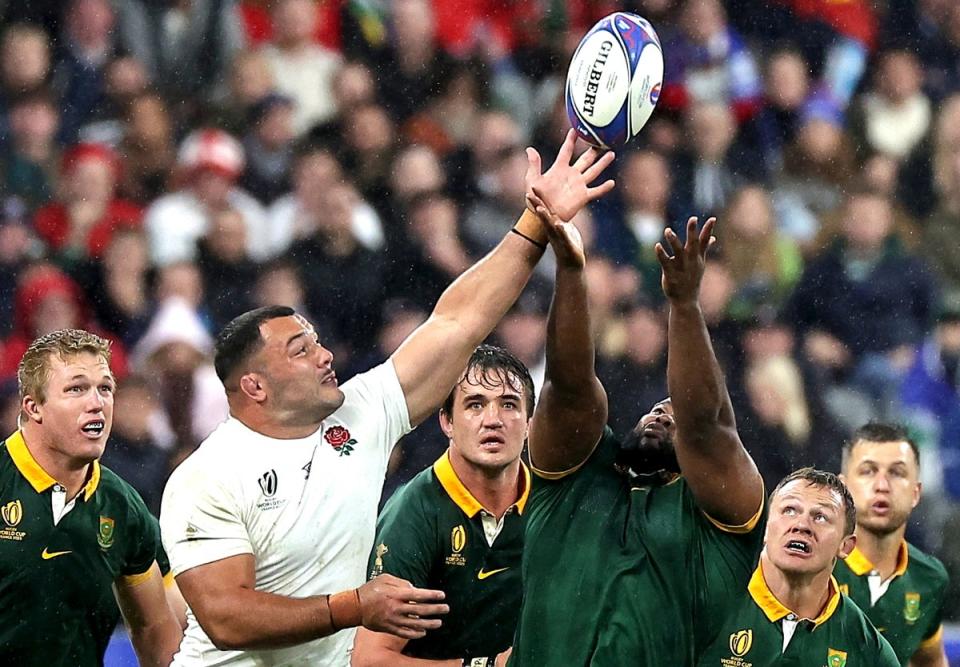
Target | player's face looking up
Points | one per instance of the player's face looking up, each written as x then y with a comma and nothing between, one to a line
806,528
76,413
883,480
487,424
297,371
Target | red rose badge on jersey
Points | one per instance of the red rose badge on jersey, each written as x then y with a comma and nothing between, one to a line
339,438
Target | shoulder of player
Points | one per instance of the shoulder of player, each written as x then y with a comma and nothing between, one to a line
926,565
853,621
421,497
600,460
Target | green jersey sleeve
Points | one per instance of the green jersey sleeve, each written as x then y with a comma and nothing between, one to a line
144,544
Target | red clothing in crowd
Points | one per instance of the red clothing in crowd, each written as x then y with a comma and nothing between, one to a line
52,225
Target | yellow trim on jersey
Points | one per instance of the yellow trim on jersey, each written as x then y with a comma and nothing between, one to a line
860,565
169,580
39,478
743,528
137,579
933,639
774,610
461,495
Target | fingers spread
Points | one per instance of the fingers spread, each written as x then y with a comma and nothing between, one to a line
662,255
707,230
674,242
597,168
600,190
533,162
566,150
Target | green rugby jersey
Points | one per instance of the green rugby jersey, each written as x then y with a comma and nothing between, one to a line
614,574
431,533
56,580
907,611
755,631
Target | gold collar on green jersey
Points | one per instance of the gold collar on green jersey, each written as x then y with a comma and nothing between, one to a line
860,565
774,610
461,495
39,478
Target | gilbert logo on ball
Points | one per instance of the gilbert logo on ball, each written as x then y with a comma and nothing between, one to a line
614,80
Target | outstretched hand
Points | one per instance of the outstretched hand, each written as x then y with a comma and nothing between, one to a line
393,605
683,271
564,237
565,187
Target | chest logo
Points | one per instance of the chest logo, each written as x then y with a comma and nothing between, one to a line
741,642
340,439
836,658
12,512
47,555
105,533
911,607
268,483
458,540
483,574
379,552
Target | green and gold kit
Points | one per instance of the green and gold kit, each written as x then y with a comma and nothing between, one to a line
756,630
906,608
435,534
614,574
59,560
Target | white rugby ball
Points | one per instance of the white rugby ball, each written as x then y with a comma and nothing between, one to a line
614,80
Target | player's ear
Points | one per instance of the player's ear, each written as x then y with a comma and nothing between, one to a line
32,409
251,384
847,546
446,424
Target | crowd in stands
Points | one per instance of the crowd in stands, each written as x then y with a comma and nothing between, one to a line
166,165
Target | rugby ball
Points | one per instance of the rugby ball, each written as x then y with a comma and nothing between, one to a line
614,80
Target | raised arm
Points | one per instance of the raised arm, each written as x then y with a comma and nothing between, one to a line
429,362
720,472
572,410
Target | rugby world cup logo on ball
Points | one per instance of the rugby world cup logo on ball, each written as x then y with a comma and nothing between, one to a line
614,80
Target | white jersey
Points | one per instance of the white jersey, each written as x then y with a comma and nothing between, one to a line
306,509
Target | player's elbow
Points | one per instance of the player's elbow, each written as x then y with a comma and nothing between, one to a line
222,631
365,654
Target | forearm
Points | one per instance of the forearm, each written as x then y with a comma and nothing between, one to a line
700,399
481,296
246,619
156,644
378,656
569,349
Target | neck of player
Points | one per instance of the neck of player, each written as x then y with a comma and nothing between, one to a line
881,549
494,488
71,473
805,594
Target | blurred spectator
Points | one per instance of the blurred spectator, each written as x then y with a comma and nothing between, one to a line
895,115
786,85
268,147
147,147
183,281
714,164
938,44
294,216
120,293
781,429
345,282
416,170
133,451
250,80
941,229
17,247
279,284
79,224
413,70
473,168
493,213
30,159
124,79
710,63
430,254
210,162
176,354
185,46
302,70
638,375
25,64
85,47
763,263
226,269
47,300
523,330
864,303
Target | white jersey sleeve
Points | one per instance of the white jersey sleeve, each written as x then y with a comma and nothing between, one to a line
377,392
201,518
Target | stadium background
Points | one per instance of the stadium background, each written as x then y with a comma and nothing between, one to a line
165,166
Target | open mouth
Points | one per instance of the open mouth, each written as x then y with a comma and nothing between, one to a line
330,379
492,440
880,506
799,547
94,428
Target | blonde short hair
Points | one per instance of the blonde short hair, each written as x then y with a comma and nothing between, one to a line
33,373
